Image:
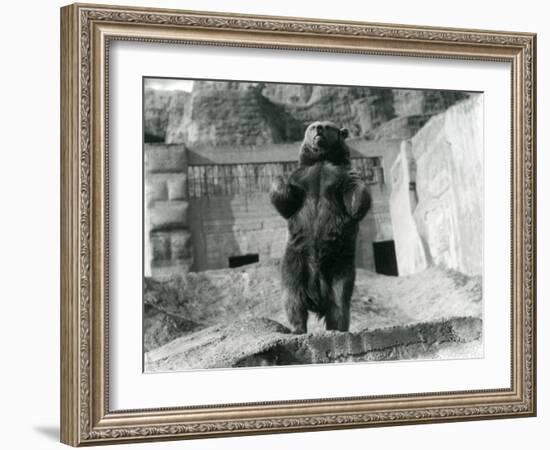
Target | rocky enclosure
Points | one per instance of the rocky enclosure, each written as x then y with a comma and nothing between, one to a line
428,201
234,318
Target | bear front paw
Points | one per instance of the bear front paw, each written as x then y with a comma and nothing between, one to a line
278,184
357,201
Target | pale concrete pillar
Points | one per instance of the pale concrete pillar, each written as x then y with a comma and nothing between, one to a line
167,245
410,254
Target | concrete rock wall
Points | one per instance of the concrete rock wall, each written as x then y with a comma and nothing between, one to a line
201,232
167,238
218,113
161,110
447,157
398,128
356,108
261,122
175,112
288,93
375,227
411,102
227,226
410,254
224,226
377,224
238,115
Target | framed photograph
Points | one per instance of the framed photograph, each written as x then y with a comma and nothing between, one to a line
278,224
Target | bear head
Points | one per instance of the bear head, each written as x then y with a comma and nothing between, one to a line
324,141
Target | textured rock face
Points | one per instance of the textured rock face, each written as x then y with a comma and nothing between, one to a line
237,115
446,168
288,93
219,113
412,102
356,108
161,109
155,111
175,112
219,86
449,160
398,128
234,317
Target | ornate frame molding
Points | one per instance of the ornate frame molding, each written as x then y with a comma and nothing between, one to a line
86,31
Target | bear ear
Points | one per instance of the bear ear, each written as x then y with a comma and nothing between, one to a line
344,133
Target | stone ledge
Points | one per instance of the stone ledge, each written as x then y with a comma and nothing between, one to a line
166,215
165,158
264,342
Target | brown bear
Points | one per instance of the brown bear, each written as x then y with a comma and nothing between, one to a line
323,200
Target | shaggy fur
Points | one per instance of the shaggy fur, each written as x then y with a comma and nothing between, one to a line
323,201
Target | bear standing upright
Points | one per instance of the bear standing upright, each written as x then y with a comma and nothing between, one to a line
323,201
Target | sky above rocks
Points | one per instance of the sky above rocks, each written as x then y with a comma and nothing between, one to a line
169,84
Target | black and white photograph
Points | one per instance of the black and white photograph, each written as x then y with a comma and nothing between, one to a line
296,224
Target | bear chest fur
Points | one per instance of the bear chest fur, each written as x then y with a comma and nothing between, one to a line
322,226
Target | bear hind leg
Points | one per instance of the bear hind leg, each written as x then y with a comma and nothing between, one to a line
338,314
296,313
